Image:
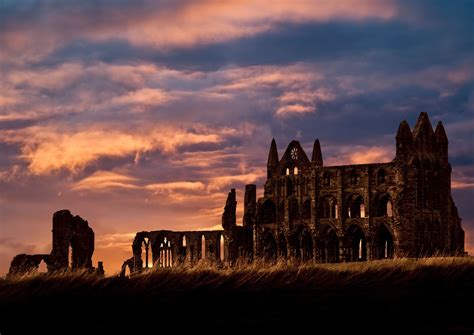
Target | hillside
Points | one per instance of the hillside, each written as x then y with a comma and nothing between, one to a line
394,296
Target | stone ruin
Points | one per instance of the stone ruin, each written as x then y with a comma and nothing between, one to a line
310,212
73,246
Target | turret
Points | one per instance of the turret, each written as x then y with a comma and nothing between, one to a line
317,157
404,141
272,163
441,141
423,134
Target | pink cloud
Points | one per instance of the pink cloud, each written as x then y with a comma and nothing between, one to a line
294,109
185,24
358,154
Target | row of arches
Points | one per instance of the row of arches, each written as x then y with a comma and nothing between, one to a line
328,208
169,254
300,245
355,206
328,177
354,178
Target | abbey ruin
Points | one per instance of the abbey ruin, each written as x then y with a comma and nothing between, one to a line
73,246
315,213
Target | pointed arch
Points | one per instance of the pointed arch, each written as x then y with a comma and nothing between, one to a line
183,249
166,253
356,244
384,205
42,266
222,248
329,246
328,207
355,206
383,243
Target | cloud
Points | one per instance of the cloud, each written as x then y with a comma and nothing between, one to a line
294,109
220,182
358,154
105,180
145,96
460,184
463,177
49,149
182,186
164,24
294,89
115,241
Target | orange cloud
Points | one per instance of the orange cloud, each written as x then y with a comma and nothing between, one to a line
175,186
462,184
220,182
48,149
359,154
105,180
204,159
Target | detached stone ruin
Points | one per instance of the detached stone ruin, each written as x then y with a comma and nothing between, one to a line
73,246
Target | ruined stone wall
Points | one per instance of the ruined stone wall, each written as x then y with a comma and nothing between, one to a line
168,248
73,246
340,205
312,212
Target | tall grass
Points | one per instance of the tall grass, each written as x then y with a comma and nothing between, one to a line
428,295
255,276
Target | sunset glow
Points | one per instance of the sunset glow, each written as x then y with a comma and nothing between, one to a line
143,117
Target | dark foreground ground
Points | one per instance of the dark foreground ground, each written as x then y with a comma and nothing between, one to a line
388,297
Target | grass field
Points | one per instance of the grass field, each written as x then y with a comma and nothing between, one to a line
393,296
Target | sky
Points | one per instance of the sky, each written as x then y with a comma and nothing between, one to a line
141,115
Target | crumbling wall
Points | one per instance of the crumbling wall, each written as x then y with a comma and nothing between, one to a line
312,212
70,234
24,263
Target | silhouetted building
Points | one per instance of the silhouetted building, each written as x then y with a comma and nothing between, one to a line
311,212
73,246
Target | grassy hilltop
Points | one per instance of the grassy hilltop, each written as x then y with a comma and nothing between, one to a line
392,296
